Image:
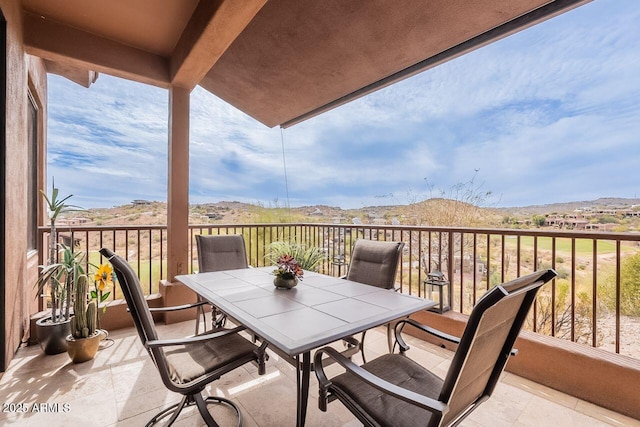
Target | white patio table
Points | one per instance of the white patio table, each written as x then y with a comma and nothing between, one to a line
320,310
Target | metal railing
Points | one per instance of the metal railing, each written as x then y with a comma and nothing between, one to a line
590,302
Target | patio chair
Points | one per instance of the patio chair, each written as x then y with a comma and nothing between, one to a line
375,263
186,365
395,390
222,252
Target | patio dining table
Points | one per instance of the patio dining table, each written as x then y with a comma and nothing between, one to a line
320,310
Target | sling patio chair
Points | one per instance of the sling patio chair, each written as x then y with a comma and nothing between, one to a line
186,365
374,263
393,390
220,252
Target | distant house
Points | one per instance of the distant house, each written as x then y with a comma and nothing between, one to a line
72,221
601,227
140,202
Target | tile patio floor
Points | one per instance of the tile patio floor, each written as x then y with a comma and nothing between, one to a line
121,387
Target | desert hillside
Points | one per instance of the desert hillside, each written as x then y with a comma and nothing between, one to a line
438,212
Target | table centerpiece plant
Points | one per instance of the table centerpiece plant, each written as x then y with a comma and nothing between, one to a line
287,272
291,259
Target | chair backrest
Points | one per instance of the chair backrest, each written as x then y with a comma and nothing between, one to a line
139,309
374,262
223,252
487,341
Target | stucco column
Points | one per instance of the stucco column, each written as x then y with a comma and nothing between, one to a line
178,183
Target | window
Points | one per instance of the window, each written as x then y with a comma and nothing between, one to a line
32,180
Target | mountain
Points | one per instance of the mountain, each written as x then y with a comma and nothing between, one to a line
566,207
438,212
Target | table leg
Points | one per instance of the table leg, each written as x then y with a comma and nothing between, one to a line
302,381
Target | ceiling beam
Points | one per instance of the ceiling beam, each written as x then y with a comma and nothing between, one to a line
212,28
57,42
81,76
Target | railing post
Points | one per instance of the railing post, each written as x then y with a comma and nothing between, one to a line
450,268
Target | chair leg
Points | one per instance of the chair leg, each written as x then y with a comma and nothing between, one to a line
201,402
218,318
173,410
200,312
202,407
204,413
364,359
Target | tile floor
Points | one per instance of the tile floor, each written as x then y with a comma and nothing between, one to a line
121,387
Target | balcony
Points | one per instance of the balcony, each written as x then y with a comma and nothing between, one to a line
583,315
578,320
121,387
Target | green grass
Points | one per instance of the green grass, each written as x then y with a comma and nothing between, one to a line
563,245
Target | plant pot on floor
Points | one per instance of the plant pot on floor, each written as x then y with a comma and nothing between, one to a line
83,349
52,336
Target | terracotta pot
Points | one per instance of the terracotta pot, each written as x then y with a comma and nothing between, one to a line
83,349
280,282
51,336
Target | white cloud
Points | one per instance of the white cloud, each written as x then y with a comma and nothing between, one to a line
539,114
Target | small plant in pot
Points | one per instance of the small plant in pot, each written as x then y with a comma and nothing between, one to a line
58,278
61,277
291,259
287,273
84,340
308,258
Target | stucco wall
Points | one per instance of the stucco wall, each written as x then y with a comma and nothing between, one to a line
19,267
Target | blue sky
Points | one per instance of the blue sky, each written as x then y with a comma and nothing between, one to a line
550,114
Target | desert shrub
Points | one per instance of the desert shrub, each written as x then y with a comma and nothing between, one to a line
629,287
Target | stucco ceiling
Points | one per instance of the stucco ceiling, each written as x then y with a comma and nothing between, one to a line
280,61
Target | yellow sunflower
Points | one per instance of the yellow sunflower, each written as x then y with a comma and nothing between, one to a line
104,276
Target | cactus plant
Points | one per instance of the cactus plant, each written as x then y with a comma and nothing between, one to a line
83,323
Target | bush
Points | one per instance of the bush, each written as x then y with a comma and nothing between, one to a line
629,287
308,258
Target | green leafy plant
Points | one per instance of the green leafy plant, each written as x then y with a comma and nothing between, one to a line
55,207
308,258
62,278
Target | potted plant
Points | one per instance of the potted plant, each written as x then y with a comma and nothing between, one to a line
83,342
307,258
291,260
287,273
61,277
52,330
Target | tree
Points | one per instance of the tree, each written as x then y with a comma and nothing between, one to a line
539,220
629,287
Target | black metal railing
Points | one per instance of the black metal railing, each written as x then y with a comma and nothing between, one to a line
592,301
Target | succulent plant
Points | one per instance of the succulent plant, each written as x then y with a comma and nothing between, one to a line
83,322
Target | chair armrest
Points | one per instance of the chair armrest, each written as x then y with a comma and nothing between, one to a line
408,396
403,345
195,339
435,332
177,307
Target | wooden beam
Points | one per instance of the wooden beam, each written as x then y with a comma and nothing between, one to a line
212,28
81,76
57,42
